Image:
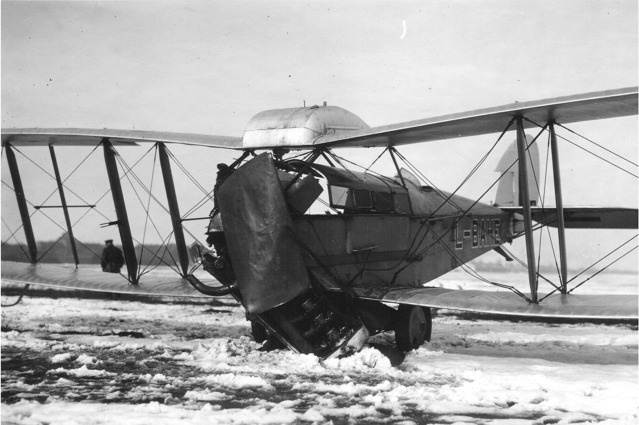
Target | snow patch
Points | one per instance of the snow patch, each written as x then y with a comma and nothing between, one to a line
590,339
205,395
231,380
61,358
85,359
82,372
367,358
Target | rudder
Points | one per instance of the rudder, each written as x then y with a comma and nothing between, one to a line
508,193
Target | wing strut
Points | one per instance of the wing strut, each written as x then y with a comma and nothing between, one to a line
525,202
561,226
22,203
120,210
174,209
391,149
63,201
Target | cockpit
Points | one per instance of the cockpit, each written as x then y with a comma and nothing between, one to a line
357,192
344,191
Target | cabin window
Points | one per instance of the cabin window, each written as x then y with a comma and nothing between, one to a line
339,196
343,197
400,200
362,198
365,199
383,201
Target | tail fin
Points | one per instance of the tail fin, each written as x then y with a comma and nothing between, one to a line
508,193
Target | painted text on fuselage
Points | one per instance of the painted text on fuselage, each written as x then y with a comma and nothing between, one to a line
482,233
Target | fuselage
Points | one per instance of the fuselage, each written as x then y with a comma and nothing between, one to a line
392,232
293,267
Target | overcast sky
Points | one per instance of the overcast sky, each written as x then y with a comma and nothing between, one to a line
207,67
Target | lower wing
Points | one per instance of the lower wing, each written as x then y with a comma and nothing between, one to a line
509,303
55,275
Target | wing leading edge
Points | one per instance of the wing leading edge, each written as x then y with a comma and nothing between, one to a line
567,109
509,303
83,136
59,276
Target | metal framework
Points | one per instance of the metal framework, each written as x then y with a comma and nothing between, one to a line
110,158
120,211
525,202
561,227
174,209
65,207
124,228
22,204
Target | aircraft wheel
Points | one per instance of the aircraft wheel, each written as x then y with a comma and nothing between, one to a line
412,327
258,331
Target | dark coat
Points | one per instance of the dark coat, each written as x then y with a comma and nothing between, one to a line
112,259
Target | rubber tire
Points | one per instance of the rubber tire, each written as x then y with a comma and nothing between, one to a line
429,323
412,327
259,332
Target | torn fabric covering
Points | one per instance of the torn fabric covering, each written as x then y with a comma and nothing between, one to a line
267,262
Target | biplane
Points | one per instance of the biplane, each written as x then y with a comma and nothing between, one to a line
323,279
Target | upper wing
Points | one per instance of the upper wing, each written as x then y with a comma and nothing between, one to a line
509,303
83,136
583,107
56,275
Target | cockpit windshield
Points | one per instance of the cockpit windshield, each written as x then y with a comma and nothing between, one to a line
358,192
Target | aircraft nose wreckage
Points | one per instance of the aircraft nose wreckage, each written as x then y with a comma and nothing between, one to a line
259,249
321,281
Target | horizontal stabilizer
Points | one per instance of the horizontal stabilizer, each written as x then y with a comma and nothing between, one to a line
91,137
584,217
55,275
509,303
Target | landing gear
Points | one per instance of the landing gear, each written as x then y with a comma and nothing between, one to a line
412,326
311,323
258,331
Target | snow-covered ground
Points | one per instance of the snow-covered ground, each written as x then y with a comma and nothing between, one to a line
107,361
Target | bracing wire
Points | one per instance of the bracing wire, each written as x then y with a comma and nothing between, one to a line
542,201
474,170
604,268
127,174
149,192
51,247
610,163
74,193
598,156
16,239
148,202
439,239
142,185
552,245
599,145
486,191
160,258
476,275
376,159
603,258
